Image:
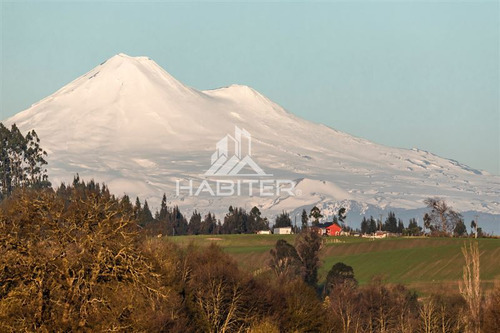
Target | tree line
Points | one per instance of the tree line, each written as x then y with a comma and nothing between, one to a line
23,164
170,220
392,225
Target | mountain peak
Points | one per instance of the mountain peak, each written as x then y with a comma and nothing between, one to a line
135,76
120,63
129,123
237,91
126,57
238,88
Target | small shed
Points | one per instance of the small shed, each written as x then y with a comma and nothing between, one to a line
283,231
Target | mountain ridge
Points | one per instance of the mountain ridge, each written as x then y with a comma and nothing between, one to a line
130,123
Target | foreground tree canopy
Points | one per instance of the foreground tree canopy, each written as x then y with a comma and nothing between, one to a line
76,259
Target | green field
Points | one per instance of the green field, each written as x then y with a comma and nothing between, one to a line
424,264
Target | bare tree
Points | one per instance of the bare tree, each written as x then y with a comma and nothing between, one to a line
441,217
428,318
221,293
471,286
220,305
344,302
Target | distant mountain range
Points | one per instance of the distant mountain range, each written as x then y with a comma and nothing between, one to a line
130,124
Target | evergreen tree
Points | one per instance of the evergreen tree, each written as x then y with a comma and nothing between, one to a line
413,228
316,215
283,220
391,223
365,226
373,225
255,212
308,245
145,216
285,261
256,222
22,160
137,208
35,161
126,205
401,226
180,225
163,208
304,219
209,225
460,229
194,227
339,275
342,214
235,221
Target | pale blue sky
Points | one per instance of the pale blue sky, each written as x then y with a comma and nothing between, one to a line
401,73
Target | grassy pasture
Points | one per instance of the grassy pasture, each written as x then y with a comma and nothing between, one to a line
424,264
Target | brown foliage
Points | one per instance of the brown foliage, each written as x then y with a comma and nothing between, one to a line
73,260
74,263
344,302
388,308
491,316
300,309
442,313
376,307
220,298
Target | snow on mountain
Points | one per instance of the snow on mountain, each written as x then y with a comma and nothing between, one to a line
130,124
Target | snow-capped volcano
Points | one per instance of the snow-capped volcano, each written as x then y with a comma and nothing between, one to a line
130,124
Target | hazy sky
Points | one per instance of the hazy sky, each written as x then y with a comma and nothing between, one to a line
401,73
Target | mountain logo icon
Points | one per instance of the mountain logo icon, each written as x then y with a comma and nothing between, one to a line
233,154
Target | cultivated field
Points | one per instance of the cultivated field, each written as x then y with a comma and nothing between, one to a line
423,264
